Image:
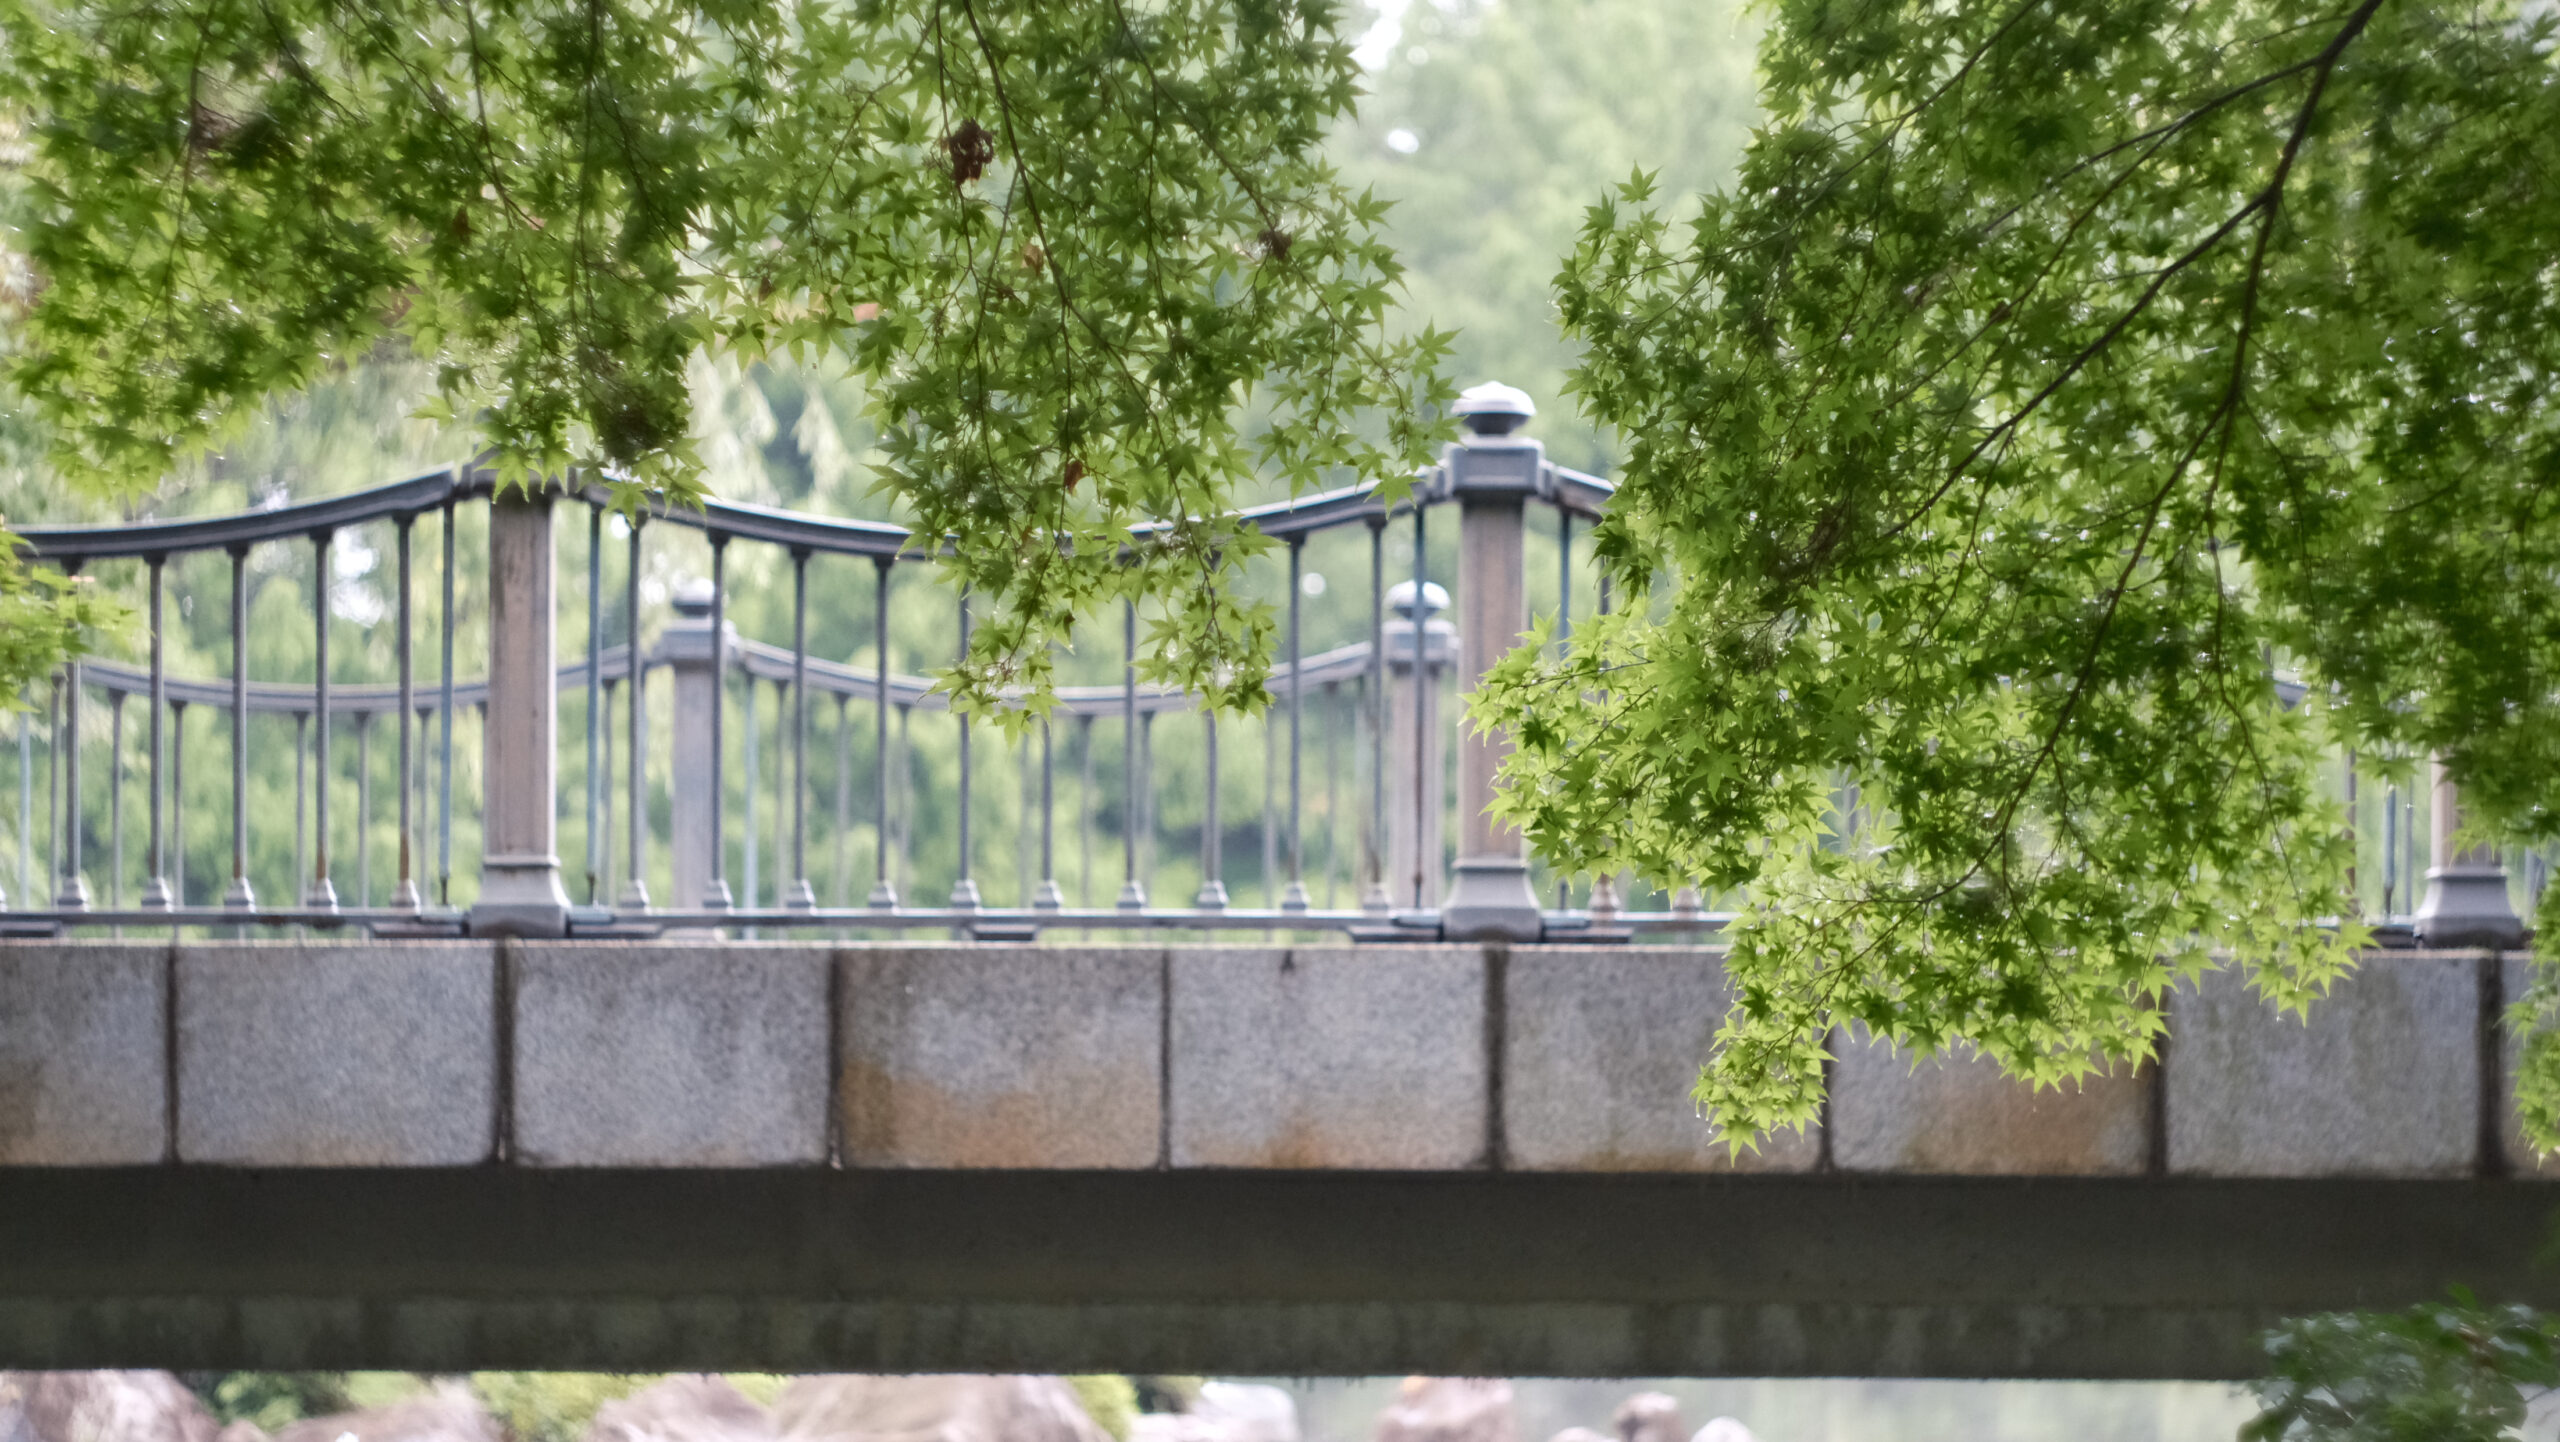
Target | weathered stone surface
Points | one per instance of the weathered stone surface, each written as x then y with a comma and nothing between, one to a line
959,1056
447,1413
84,1054
1328,1057
1450,1409
1958,1115
692,1407
1649,1417
2516,974
2384,1079
100,1407
377,1054
670,1056
932,1409
1600,1047
1223,1412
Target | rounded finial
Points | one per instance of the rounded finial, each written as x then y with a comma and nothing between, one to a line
692,599
1494,409
1435,599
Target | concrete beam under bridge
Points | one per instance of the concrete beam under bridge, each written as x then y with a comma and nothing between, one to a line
1225,1271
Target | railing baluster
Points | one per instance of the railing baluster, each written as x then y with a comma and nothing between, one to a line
782,877
404,894
1213,886
802,896
155,886
53,789
595,707
177,805
604,812
323,894
301,794
1295,899
2391,850
75,881
1374,898
444,726
1049,898
241,896
635,883
964,891
1423,863
1133,892
1332,787
115,803
1084,811
364,809
1564,635
906,799
1270,828
884,893
750,758
26,811
1147,794
842,870
716,894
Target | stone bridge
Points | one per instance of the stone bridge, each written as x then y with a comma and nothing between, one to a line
1334,1159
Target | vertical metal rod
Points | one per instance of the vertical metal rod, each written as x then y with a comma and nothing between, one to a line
782,878
75,881
364,808
1421,710
883,893
1332,787
155,886
843,868
1133,892
604,819
115,803
1564,634
964,890
241,895
750,895
2354,833
444,725
177,804
1270,814
404,892
2391,851
53,790
1084,811
906,799
595,706
1213,885
26,812
801,895
1146,794
301,792
1296,897
635,882
1374,897
1048,895
716,894
323,893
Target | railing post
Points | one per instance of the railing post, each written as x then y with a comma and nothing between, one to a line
686,653
2466,902
520,890
1492,474
1414,782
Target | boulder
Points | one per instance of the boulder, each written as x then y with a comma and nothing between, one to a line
1223,1412
1724,1429
446,1413
1650,1417
93,1406
856,1408
689,1408
1449,1409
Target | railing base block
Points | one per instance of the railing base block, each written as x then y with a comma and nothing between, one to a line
1490,900
2468,906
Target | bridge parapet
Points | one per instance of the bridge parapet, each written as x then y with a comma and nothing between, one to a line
1424,1058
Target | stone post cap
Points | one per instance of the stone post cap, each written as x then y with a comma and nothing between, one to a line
1494,409
692,599
1435,599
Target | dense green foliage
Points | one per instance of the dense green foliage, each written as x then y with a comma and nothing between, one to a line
2056,379
2444,1372
1062,243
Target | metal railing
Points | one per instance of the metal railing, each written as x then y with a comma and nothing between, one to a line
1380,699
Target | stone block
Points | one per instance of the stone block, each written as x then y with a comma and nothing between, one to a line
2516,973
1321,1057
1961,1115
636,1055
1601,1045
84,1054
2382,1080
367,1054
974,1056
